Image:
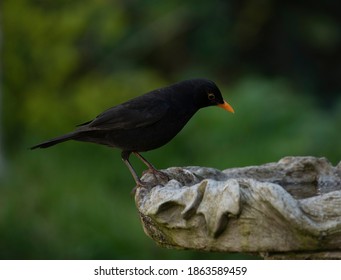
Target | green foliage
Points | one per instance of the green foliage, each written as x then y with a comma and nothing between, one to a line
66,61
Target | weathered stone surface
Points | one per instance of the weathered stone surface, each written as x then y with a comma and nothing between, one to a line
293,205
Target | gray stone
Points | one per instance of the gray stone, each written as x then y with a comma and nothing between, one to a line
274,210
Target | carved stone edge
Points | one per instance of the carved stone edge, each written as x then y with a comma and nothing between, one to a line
308,224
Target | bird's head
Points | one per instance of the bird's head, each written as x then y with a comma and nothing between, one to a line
208,94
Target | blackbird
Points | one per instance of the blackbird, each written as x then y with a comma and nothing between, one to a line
146,122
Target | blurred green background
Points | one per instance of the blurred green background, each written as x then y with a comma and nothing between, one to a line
278,63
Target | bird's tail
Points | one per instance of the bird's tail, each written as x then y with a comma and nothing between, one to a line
57,140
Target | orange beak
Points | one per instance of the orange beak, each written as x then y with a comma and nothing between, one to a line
226,107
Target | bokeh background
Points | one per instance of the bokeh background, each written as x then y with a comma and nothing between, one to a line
62,62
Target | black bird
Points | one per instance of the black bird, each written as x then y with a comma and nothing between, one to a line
146,122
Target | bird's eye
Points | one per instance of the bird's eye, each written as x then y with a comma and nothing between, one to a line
211,96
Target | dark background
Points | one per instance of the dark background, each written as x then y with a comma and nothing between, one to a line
63,62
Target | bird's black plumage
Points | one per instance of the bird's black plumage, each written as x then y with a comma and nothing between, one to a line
146,122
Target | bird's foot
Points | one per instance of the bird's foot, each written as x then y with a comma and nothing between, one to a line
162,175
158,175
159,178
141,184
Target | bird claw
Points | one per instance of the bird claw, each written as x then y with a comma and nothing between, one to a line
140,184
157,174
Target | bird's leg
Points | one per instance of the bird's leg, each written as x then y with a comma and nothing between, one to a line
125,157
146,162
151,167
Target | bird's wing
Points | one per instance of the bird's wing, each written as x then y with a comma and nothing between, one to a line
135,113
